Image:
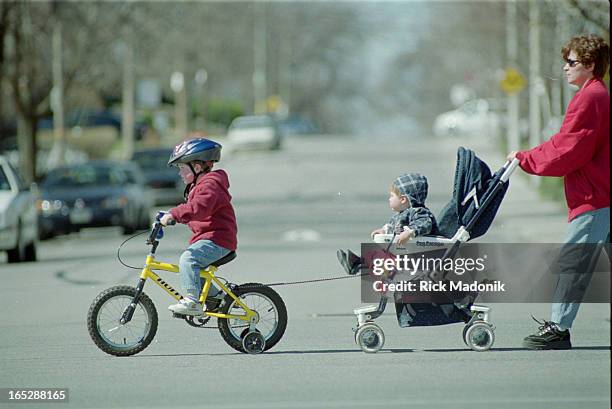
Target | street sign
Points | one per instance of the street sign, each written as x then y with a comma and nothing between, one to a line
513,81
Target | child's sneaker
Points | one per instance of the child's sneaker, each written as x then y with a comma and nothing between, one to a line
187,306
349,261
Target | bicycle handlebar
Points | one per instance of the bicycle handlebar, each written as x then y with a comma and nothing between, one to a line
157,232
157,226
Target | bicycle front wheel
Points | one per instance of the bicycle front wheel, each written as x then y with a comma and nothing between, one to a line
109,334
261,299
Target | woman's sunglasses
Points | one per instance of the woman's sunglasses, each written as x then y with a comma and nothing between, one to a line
571,62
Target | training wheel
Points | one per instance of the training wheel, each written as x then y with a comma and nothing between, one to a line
253,343
479,336
370,338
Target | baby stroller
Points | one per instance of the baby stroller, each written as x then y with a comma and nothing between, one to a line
477,195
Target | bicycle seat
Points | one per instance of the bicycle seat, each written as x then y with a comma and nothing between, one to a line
224,260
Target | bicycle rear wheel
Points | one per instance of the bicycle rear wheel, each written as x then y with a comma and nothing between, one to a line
267,303
109,334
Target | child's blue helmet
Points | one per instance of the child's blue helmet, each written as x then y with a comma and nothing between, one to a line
195,149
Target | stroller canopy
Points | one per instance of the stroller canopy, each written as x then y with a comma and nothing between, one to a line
474,183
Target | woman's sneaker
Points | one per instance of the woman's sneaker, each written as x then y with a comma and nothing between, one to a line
549,336
187,306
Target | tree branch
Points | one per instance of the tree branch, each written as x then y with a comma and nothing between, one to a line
584,13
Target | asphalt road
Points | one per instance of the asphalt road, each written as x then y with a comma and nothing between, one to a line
295,208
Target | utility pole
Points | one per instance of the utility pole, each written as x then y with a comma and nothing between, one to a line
201,76
259,55
177,83
284,70
564,33
557,85
127,103
58,151
512,55
535,82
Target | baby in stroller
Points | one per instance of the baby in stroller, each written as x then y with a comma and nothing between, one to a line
412,218
477,195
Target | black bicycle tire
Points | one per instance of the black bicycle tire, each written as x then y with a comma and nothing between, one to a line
268,292
94,309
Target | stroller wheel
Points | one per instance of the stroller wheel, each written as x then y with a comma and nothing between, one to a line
479,336
370,338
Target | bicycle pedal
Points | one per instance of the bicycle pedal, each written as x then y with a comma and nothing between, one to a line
180,316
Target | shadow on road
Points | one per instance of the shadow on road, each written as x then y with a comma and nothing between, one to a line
320,351
392,350
61,275
590,348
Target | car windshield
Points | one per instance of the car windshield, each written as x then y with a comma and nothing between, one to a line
4,183
84,176
252,122
154,160
475,107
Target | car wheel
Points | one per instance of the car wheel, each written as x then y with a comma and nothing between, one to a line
44,235
276,146
144,220
129,221
18,253
30,252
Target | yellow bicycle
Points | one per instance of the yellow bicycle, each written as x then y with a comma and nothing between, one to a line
122,320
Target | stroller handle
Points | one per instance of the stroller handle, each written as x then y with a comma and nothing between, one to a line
510,166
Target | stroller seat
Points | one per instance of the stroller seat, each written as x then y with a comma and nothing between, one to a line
420,240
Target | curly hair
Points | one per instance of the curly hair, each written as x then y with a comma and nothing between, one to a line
589,49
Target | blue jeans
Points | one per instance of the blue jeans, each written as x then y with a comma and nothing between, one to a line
199,255
589,227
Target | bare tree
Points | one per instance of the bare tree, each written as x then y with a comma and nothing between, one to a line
5,20
596,13
28,62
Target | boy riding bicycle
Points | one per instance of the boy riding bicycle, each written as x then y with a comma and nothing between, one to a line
208,213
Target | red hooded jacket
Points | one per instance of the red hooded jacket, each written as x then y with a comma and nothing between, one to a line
580,151
209,212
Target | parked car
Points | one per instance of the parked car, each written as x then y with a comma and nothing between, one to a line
140,193
258,131
18,223
166,185
89,118
297,125
93,194
472,118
